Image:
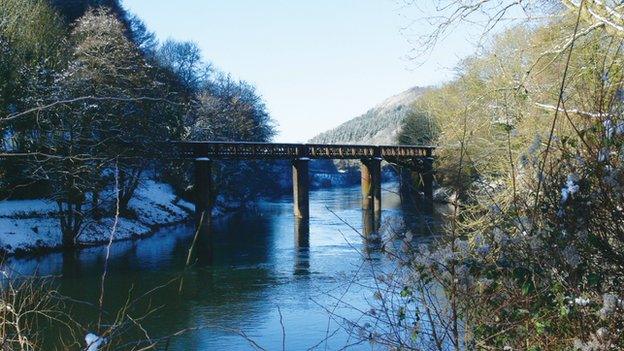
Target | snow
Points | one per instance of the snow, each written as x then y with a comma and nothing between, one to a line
29,233
147,254
156,204
26,225
17,208
570,187
94,342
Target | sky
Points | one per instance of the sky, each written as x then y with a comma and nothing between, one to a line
316,63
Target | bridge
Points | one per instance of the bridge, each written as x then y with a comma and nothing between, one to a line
418,159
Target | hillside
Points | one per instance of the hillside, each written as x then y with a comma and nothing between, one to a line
71,10
379,125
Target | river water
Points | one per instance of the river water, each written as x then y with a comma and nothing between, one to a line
253,268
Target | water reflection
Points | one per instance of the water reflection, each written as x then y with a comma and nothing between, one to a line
371,224
242,268
302,246
203,253
71,263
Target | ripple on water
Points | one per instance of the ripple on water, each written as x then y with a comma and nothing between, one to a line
248,266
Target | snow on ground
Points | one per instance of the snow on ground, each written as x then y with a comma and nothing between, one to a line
155,203
28,233
147,254
27,225
18,208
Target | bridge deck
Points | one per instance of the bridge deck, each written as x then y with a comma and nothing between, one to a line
252,150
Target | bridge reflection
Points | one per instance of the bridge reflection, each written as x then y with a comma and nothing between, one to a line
302,246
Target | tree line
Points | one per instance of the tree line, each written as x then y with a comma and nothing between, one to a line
83,84
531,148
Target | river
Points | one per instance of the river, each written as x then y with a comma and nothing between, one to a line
252,269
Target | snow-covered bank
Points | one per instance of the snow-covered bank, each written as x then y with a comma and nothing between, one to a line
30,225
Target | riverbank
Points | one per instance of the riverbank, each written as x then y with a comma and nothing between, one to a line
29,226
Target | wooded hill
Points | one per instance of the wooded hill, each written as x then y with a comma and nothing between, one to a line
379,125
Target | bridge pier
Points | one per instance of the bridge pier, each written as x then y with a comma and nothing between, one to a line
301,187
371,184
371,222
202,186
302,233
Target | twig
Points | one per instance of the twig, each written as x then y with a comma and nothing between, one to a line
559,102
108,247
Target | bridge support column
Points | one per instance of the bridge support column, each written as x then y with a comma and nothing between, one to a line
371,222
203,191
302,233
301,187
371,184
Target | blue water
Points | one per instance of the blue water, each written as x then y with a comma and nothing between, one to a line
247,270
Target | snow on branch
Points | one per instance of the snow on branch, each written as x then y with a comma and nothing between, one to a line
574,111
597,5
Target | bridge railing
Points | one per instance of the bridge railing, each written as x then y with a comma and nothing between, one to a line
331,151
253,150
236,150
405,151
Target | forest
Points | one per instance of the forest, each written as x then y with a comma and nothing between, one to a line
530,152
87,81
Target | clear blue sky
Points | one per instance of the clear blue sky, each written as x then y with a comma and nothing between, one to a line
316,63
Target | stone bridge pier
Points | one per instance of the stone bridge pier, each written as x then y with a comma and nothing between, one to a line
370,170
370,175
301,187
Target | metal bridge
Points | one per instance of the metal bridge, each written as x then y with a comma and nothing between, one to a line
251,150
418,159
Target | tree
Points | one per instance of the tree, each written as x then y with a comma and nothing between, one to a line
184,59
71,10
419,128
126,115
32,48
144,39
228,110
531,138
